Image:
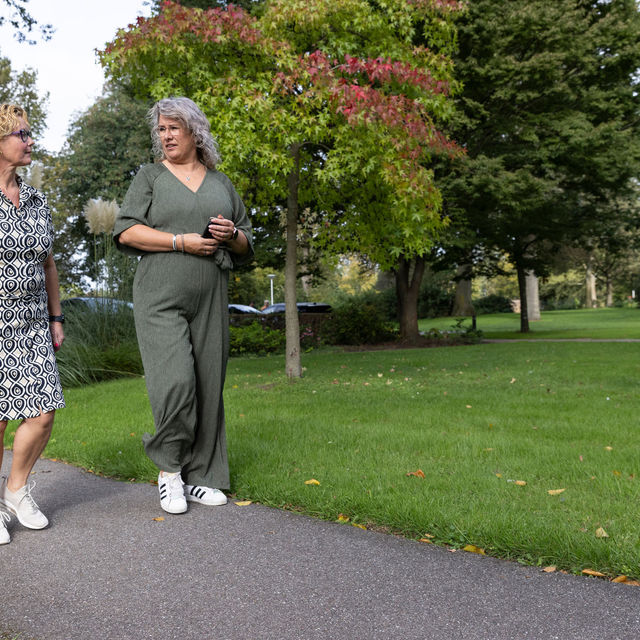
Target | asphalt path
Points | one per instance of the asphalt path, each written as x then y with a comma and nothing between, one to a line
106,568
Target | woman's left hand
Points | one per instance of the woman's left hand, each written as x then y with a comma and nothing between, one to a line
57,334
221,229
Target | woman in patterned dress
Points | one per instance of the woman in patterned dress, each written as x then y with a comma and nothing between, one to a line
180,298
30,321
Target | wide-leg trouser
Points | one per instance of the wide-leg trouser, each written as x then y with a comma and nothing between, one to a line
182,323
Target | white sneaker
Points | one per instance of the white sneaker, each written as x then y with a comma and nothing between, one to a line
204,495
23,506
171,492
5,538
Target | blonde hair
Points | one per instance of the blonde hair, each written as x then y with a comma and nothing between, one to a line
10,115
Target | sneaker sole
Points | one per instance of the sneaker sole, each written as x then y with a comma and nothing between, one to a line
28,525
216,503
174,511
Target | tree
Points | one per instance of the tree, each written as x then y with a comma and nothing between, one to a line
251,6
106,145
320,100
20,89
23,22
550,123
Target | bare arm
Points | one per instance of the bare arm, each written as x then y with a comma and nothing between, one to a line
52,288
147,239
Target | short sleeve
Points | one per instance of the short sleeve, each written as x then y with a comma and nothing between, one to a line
135,207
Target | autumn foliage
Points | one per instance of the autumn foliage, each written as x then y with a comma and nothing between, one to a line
397,97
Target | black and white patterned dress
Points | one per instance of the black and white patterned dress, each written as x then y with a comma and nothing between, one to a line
29,380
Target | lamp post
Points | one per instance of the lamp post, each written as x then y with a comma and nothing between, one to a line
271,277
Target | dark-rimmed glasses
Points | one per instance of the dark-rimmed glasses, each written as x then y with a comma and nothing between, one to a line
24,134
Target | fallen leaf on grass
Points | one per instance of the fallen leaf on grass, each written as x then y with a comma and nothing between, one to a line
601,533
520,483
620,579
418,474
608,448
592,572
471,548
468,406
242,503
360,526
555,492
616,473
512,380
425,540
343,518
159,519
550,569
312,481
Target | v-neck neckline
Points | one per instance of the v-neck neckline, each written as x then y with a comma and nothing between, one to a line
186,184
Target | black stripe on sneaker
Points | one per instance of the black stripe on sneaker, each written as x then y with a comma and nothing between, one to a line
200,492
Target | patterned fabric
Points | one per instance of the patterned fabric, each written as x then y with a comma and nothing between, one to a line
29,380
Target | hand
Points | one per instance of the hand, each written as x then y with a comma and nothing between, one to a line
197,245
221,229
57,334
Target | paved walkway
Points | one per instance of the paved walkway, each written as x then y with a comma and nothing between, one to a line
106,570
561,340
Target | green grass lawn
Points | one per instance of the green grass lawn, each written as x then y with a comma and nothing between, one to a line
581,323
476,420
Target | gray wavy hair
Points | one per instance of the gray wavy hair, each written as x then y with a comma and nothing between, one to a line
187,112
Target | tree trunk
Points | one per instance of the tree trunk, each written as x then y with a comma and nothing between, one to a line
591,298
408,278
292,364
609,289
305,280
533,296
522,287
462,305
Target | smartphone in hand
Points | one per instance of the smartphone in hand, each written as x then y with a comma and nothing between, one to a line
206,233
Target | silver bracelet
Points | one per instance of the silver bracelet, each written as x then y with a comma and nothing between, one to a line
175,248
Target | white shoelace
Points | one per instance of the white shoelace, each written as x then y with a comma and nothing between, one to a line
6,517
174,485
29,498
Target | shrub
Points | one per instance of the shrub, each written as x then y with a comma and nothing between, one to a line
435,299
354,323
492,303
100,345
383,301
255,338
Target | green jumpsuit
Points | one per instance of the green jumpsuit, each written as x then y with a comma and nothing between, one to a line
182,320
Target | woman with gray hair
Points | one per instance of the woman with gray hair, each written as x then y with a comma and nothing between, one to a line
188,224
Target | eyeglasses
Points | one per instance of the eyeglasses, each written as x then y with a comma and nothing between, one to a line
24,134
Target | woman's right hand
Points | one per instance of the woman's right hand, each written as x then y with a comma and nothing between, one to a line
197,245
